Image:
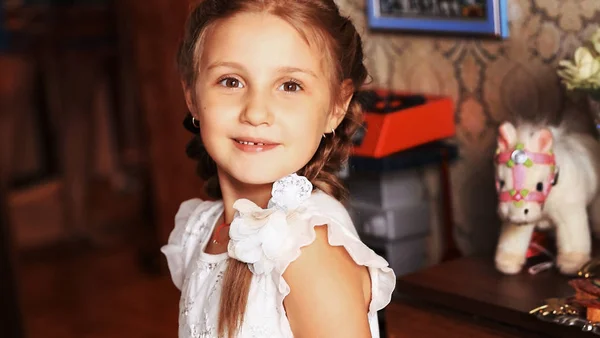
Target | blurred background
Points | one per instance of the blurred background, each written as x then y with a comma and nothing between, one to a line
93,167
90,116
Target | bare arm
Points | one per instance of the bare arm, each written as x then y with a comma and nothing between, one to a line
330,293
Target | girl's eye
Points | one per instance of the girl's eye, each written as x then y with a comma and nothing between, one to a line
231,83
290,86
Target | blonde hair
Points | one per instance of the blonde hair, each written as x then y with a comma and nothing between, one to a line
320,22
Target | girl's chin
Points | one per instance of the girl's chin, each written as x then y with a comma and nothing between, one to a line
258,176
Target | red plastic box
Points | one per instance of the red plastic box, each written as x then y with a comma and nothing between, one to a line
389,132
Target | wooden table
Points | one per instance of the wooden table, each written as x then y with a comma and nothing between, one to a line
467,297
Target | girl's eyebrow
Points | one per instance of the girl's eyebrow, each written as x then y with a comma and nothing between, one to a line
284,69
296,70
225,64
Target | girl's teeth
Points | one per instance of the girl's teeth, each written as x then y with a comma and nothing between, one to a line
251,143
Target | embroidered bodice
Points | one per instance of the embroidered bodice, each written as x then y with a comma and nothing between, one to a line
268,240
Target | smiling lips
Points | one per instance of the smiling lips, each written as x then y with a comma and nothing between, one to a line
251,145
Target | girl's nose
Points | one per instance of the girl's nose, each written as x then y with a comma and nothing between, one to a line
256,110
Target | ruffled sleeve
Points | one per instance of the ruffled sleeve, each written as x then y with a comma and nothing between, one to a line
324,210
269,240
191,217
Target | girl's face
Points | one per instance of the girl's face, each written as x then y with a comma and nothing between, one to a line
262,98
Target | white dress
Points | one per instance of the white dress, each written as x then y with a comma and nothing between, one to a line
268,240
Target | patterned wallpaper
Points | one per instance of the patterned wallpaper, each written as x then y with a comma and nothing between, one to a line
490,81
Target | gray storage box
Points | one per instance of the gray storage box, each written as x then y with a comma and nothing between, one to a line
397,223
388,189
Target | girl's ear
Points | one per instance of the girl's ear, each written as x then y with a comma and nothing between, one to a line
188,92
341,106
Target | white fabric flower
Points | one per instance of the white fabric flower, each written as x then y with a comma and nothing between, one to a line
259,237
289,192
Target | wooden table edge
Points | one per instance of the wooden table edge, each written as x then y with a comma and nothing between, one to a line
525,322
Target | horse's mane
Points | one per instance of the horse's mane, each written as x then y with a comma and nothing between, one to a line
571,121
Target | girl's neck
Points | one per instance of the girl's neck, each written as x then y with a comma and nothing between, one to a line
232,190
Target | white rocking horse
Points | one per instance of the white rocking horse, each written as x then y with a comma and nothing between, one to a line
546,178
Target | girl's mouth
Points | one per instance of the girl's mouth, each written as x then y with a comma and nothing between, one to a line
254,145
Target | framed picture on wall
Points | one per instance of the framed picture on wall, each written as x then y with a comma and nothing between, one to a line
462,17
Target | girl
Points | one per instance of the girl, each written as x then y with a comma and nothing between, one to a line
271,86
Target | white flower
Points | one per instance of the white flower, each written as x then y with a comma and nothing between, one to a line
289,192
583,73
259,237
587,65
258,240
595,40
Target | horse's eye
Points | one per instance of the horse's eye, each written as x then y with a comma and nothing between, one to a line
539,187
501,183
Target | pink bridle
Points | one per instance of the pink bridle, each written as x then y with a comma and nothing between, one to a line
519,160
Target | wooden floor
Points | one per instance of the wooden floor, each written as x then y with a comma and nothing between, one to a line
83,293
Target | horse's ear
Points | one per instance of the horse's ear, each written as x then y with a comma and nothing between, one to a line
507,136
543,140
